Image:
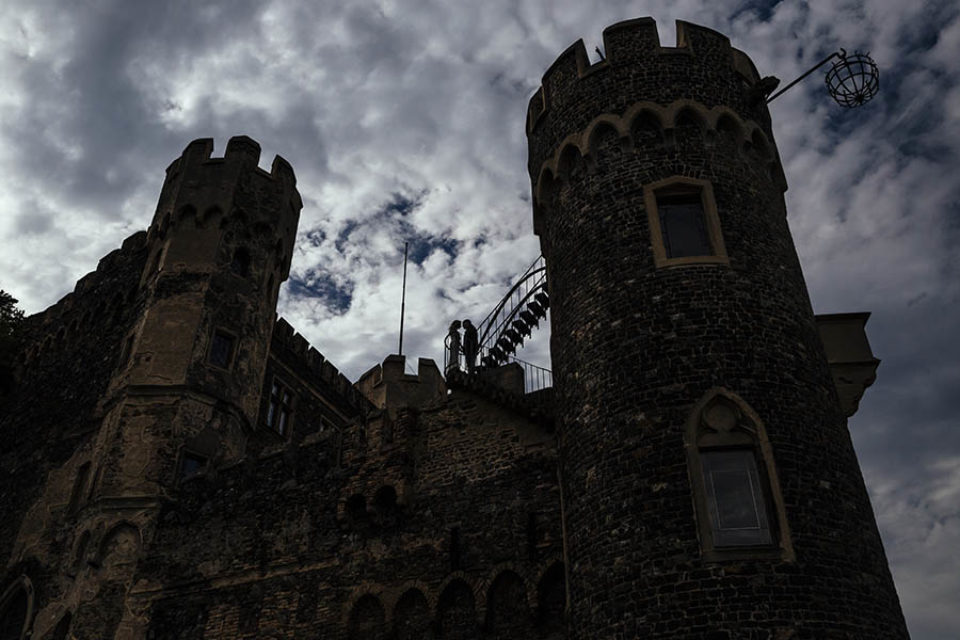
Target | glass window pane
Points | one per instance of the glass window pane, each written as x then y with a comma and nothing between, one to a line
735,498
221,350
191,465
683,226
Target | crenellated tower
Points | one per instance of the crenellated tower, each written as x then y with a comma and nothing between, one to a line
710,487
184,317
192,366
185,392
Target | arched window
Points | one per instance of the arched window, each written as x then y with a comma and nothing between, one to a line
411,617
735,488
366,619
456,612
16,607
508,614
240,264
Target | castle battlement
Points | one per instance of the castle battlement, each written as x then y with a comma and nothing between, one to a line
389,386
203,188
241,150
703,67
643,120
304,357
100,299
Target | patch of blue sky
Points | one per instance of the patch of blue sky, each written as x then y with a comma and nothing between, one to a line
335,295
341,242
422,246
763,9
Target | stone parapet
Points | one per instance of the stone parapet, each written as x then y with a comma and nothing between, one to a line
703,68
390,387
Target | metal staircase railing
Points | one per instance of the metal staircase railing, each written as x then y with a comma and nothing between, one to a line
535,377
511,322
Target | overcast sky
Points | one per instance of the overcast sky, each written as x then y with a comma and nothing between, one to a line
404,122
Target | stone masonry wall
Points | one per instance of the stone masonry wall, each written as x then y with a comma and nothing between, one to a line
47,429
275,547
635,347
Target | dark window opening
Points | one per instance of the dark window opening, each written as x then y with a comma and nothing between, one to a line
191,464
63,627
532,536
93,483
385,499
13,615
738,513
240,264
79,484
683,225
385,505
280,409
455,549
80,553
357,507
221,349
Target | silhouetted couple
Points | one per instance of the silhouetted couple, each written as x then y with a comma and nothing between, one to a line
469,349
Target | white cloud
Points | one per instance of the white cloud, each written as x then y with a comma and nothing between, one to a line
369,100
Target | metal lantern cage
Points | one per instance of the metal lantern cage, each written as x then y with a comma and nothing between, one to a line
853,80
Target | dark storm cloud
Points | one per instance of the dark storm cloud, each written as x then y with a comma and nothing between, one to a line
98,110
33,221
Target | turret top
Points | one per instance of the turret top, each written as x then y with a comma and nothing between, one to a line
202,182
703,67
241,149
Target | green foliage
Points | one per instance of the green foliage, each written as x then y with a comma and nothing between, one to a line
11,320
10,315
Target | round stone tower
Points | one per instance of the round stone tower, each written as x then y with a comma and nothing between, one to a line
710,487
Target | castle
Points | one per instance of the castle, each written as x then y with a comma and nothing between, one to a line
179,463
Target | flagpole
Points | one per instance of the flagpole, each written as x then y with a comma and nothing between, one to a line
403,296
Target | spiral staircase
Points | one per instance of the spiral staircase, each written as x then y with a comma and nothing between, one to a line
501,334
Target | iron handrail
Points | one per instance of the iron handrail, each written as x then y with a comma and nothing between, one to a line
493,326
